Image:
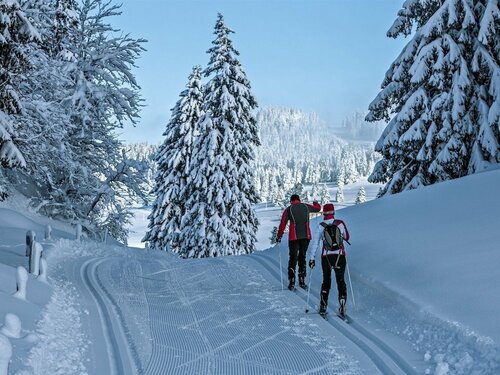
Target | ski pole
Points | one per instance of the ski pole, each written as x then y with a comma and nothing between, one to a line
350,282
281,269
310,277
346,241
309,290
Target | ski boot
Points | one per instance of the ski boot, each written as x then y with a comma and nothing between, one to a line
302,282
322,310
291,284
342,307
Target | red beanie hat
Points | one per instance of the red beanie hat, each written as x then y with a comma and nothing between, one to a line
328,210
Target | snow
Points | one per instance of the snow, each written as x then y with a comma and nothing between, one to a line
21,281
453,227
5,354
12,326
424,269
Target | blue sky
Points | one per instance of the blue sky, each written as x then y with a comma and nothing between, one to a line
327,56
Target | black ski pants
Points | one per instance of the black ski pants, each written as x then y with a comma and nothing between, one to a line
338,263
297,252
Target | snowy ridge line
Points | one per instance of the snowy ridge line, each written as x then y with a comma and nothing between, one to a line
111,328
383,357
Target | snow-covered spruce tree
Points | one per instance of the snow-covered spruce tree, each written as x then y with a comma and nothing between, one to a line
298,189
443,93
44,136
339,196
314,191
16,33
274,234
325,195
65,22
361,197
173,167
102,96
220,219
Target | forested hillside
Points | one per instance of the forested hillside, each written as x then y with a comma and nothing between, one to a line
296,148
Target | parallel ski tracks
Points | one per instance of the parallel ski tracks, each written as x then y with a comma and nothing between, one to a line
119,353
386,359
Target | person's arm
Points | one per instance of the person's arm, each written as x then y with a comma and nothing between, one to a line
345,232
315,207
316,241
281,229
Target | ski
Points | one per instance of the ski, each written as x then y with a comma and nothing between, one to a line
344,317
324,315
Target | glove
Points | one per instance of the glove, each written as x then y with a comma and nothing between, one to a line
278,239
312,263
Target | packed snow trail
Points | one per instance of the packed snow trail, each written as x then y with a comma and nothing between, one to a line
387,360
221,316
151,313
120,358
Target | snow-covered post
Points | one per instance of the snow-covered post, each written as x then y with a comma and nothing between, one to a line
12,326
48,232
43,270
30,239
78,231
36,254
5,354
22,280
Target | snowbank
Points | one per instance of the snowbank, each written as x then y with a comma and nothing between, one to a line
437,246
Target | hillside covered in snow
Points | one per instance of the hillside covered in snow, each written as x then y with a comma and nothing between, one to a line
424,269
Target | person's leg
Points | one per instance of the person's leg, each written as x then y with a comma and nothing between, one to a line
293,247
339,277
303,245
327,283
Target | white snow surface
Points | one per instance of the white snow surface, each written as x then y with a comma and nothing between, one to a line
425,273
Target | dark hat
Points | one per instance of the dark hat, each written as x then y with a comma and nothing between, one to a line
294,197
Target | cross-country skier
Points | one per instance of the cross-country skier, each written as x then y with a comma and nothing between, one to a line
330,238
298,237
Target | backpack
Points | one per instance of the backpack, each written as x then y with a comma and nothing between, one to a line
332,237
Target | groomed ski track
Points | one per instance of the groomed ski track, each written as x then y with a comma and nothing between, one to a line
161,315
118,351
386,359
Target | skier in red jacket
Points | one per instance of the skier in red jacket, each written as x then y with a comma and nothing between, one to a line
299,236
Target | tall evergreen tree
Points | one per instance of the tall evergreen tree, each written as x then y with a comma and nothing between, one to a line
220,220
339,196
325,195
443,93
65,22
16,32
173,161
361,197
102,95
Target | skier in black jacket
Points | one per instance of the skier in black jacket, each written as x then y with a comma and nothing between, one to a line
299,236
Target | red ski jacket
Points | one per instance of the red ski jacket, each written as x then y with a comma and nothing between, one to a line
298,215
